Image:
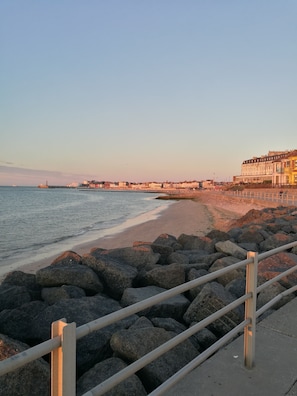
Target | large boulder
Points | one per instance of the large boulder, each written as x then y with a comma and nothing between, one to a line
20,278
69,274
132,344
193,242
32,379
211,299
224,262
18,322
274,265
78,310
13,296
51,295
173,307
116,275
136,256
275,240
165,276
232,249
102,371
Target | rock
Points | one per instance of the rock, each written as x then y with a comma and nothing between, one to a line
173,307
226,262
218,235
190,242
19,278
166,277
178,258
131,345
204,338
167,240
212,298
136,256
102,371
141,322
269,293
69,274
67,258
251,234
78,310
169,324
51,295
275,241
13,296
33,379
17,323
236,287
194,274
272,266
231,249
117,276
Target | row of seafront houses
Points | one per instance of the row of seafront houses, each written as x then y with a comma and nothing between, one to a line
276,169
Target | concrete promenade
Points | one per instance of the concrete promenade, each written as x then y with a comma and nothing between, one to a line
275,371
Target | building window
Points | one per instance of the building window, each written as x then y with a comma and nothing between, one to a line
295,179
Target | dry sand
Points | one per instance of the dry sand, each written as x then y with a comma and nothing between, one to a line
196,216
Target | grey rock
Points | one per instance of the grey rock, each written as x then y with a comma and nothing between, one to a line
236,287
194,274
231,249
33,379
166,277
102,371
131,345
226,262
190,242
17,323
13,296
179,258
69,274
51,295
270,292
212,298
173,307
117,276
136,256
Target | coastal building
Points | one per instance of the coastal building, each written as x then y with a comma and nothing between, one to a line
285,170
260,169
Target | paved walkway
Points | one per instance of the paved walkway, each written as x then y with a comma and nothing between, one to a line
275,371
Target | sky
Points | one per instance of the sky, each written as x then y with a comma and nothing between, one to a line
144,90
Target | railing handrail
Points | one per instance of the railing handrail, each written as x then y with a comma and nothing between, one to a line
48,346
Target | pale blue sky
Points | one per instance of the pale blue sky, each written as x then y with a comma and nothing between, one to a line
144,90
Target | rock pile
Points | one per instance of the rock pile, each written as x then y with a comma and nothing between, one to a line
84,288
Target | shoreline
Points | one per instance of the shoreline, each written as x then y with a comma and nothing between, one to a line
196,214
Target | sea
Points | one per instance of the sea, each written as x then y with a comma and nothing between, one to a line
38,223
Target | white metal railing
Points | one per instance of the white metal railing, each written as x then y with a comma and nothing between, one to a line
283,198
62,345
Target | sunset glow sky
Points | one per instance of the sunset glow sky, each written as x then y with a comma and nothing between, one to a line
144,90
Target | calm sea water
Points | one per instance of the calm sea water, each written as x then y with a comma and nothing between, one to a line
36,223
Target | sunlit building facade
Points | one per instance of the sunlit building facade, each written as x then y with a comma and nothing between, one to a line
285,170
260,169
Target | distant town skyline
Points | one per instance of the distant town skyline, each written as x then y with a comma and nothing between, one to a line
144,91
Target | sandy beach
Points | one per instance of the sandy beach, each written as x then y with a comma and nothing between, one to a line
198,214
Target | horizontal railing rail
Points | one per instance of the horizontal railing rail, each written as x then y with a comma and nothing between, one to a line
283,198
63,351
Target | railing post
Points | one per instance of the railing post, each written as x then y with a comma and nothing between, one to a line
250,310
63,359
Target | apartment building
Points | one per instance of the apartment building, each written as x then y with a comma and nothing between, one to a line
260,169
285,170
